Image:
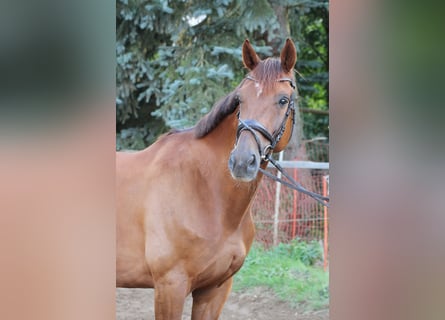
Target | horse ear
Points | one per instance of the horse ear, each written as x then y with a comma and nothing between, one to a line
288,56
250,58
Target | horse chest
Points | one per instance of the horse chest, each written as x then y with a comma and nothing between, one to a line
232,258
221,265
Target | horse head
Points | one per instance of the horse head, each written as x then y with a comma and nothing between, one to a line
266,110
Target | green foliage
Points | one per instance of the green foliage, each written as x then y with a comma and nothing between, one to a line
290,270
177,58
132,138
307,252
316,125
312,26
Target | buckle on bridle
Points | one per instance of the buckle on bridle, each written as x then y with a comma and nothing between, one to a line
268,150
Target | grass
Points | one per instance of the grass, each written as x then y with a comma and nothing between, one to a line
292,271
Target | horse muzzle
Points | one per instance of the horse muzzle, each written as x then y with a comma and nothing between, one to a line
245,158
244,165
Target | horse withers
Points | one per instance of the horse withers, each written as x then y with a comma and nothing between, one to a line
183,204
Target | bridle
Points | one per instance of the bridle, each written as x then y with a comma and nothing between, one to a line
255,127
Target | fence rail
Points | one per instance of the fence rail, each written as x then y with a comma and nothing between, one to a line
302,165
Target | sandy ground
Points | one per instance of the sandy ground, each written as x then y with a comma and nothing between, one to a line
254,304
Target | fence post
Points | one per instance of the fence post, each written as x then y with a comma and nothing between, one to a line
325,245
294,210
277,204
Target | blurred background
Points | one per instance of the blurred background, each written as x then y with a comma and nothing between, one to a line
58,63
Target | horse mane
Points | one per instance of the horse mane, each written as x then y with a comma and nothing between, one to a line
219,112
266,73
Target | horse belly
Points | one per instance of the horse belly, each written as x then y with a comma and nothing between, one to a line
131,269
131,266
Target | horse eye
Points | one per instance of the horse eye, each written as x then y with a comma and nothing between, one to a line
283,102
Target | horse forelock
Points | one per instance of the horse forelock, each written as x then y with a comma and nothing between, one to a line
268,71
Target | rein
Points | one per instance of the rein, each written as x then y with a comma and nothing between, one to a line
292,183
254,126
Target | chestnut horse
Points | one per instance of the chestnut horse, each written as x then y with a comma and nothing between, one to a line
183,204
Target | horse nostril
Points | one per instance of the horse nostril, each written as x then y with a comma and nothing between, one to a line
252,161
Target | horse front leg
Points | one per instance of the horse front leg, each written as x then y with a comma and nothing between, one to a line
170,294
208,303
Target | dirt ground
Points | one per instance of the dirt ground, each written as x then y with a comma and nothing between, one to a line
254,304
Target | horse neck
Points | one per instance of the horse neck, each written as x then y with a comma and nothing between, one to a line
235,197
